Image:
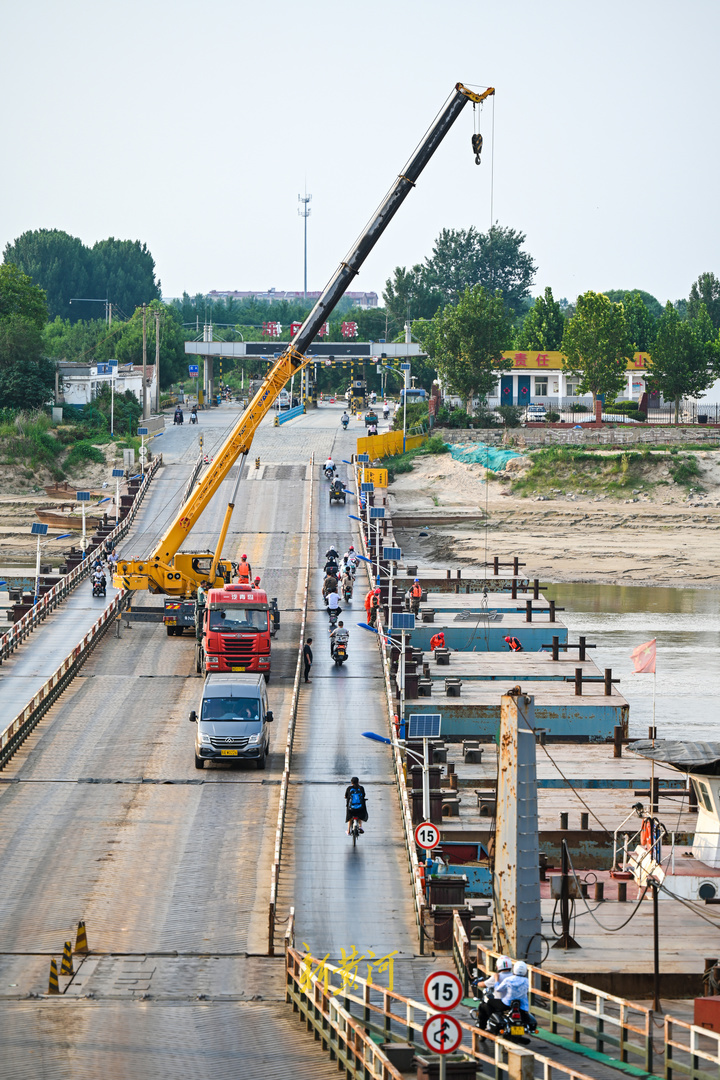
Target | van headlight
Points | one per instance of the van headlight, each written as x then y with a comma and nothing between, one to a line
254,739
205,740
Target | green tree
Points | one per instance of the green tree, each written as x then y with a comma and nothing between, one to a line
543,326
408,296
462,258
122,271
683,365
81,341
466,341
619,296
706,290
173,363
641,323
27,378
596,346
18,296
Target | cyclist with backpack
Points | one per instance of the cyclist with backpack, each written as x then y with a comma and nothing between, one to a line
355,804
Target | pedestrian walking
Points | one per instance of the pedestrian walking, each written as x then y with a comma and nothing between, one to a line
307,657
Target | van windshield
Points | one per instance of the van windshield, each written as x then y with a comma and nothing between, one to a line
232,709
237,619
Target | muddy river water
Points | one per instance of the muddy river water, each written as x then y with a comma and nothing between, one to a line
686,623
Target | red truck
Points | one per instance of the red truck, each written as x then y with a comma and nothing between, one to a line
234,631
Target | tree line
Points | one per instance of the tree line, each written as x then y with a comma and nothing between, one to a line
467,302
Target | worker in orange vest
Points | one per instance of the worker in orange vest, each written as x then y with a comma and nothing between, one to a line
374,606
368,601
244,571
437,641
415,596
513,644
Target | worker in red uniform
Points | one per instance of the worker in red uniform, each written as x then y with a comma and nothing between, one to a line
374,606
437,641
513,644
368,601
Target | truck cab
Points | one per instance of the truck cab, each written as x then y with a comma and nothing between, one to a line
234,629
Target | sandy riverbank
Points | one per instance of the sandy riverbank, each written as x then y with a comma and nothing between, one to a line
664,538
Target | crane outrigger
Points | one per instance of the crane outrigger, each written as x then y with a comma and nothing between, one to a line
179,573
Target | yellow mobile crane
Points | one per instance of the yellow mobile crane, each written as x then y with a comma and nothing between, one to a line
179,573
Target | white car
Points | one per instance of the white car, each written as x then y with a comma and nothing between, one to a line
535,414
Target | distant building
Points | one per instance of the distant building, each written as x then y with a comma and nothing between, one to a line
359,299
79,384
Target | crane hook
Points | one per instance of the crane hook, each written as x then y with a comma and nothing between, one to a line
477,144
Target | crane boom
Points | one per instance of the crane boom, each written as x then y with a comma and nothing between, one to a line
169,570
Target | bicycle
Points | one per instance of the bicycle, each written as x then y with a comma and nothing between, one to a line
355,830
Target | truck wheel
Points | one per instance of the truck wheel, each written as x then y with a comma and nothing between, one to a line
261,761
199,762
170,630
198,660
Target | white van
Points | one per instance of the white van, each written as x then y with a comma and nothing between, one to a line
233,720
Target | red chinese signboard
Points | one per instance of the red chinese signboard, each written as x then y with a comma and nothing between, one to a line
271,329
349,329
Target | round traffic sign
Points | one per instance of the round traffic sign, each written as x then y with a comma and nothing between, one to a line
427,835
442,1034
443,990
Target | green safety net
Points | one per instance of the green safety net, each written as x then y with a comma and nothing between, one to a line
490,457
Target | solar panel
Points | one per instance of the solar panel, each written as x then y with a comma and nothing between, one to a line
403,620
82,496
392,554
367,487
38,529
142,431
363,458
118,472
377,511
405,367
424,725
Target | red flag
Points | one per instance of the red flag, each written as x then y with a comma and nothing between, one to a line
644,658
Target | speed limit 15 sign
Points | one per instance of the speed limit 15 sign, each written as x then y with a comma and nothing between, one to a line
427,835
443,990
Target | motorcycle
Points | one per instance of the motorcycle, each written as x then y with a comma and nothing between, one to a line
344,424
511,1024
193,418
334,615
99,588
329,473
178,418
347,593
340,653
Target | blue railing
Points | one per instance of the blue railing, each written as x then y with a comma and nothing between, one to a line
290,414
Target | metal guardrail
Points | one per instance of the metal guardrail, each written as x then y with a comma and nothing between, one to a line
605,1023
324,994
193,477
289,414
47,603
282,805
21,725
419,902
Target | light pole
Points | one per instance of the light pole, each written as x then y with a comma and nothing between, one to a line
117,476
405,368
113,364
39,529
304,212
83,497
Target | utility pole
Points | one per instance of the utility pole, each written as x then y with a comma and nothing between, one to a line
144,398
157,362
304,212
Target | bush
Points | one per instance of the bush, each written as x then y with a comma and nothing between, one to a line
552,417
452,418
415,414
685,469
511,414
580,408
435,445
636,414
82,452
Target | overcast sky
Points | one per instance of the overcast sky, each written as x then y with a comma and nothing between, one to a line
193,127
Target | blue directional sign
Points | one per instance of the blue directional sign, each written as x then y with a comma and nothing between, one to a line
377,511
82,496
193,369
391,554
39,529
367,487
118,473
403,620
